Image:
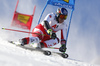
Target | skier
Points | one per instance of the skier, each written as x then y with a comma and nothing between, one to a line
45,32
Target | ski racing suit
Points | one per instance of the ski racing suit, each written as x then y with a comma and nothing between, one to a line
42,36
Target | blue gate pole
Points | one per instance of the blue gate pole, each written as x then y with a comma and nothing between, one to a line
69,26
42,12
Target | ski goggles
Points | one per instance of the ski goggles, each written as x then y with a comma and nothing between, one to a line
63,16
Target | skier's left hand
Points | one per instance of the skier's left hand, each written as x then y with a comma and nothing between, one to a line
63,48
52,34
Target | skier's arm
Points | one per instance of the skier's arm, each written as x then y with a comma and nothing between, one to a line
47,19
63,43
46,24
49,30
63,34
63,46
63,39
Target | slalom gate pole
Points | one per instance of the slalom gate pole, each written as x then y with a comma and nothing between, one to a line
23,31
42,12
69,26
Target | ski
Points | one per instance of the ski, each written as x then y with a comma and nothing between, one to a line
31,48
45,52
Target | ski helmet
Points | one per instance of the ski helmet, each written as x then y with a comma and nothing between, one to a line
62,13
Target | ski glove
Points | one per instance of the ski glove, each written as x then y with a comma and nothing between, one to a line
62,48
51,33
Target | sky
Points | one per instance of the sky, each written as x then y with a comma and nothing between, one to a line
83,41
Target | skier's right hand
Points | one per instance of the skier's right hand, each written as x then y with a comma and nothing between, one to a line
51,33
62,48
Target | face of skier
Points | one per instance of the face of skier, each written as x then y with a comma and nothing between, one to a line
61,20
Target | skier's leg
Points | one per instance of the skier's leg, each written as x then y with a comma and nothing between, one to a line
31,40
28,40
36,37
49,43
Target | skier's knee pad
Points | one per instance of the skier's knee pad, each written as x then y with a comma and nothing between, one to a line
34,40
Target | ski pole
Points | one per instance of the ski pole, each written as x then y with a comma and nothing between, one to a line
56,48
22,31
53,47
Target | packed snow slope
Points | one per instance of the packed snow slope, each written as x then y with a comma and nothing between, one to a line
11,55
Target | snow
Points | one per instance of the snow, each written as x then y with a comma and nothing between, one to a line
11,55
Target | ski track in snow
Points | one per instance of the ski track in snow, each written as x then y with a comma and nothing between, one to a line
10,55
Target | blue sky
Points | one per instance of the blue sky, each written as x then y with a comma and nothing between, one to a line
84,38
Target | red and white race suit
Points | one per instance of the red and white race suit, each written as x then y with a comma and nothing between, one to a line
55,26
